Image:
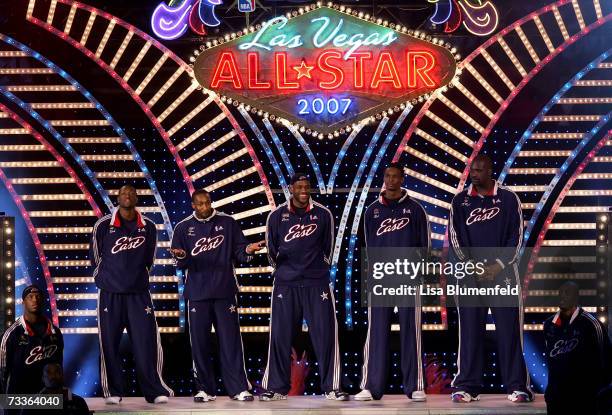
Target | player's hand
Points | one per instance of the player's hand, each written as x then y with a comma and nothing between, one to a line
177,253
255,247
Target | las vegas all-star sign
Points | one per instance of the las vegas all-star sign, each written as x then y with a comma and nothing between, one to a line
325,68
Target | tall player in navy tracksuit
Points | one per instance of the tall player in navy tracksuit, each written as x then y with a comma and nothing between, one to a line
394,220
487,215
578,356
300,238
122,250
206,245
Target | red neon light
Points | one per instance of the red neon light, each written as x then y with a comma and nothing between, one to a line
386,71
358,58
324,66
226,71
280,59
253,70
422,71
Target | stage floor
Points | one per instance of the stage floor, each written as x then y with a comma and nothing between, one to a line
311,405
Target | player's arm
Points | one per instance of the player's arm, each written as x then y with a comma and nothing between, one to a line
328,238
95,245
456,229
271,239
179,248
511,248
6,359
151,246
243,250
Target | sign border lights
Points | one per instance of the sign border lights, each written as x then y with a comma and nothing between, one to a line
237,70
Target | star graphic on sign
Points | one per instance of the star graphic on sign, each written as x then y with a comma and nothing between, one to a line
323,296
303,70
232,308
148,309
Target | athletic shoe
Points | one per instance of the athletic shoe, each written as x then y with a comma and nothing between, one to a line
112,400
272,396
161,399
463,396
364,395
243,396
202,396
418,396
337,395
519,397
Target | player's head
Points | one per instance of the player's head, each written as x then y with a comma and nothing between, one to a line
481,170
127,197
300,188
568,296
53,376
394,176
33,300
201,203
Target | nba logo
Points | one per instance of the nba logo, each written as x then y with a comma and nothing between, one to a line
246,6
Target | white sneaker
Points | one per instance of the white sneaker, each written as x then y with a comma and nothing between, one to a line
112,400
519,397
418,396
364,395
243,396
161,399
202,396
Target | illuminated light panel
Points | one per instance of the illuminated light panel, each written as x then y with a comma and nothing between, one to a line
564,276
603,159
151,74
254,270
190,116
69,196
230,179
51,11
12,131
87,30
254,231
25,71
572,226
238,196
60,213
311,157
94,140
176,102
569,242
105,37
559,20
597,9
556,136
428,199
40,88
120,175
527,188
528,45
94,296
590,193
430,181
255,289
474,100
94,330
71,229
42,180
602,65
279,146
497,70
449,128
211,147
543,33
533,170
441,145
107,157
554,293
437,220
487,86
251,212
165,87
570,118
340,157
437,236
12,54
29,164
66,247
462,114
425,327
70,19
121,49
578,14
139,192
558,259
582,209
528,206
22,147
545,153
90,280
595,82
197,134
30,9
219,163
136,61
517,64
254,310
79,123
433,162
62,105
591,176
588,101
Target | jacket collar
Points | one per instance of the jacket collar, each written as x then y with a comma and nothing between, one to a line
26,327
473,192
116,219
291,208
557,318
404,196
212,215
